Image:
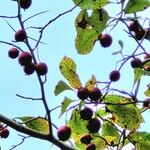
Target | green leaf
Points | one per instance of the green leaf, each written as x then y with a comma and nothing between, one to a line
85,40
89,29
98,20
101,112
96,4
138,73
147,93
100,143
64,105
78,126
91,83
126,115
141,139
37,124
134,6
60,87
68,69
109,130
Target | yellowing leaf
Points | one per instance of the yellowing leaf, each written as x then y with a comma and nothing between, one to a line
91,83
68,69
38,124
126,116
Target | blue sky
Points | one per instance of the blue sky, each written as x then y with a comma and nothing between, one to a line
59,38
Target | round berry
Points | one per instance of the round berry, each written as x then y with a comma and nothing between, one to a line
64,133
41,69
86,138
139,34
4,133
13,53
91,146
20,35
25,4
134,26
93,125
105,40
25,59
146,103
83,93
95,94
86,113
114,75
136,63
29,69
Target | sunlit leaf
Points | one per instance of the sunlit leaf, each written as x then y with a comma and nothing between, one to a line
77,125
85,40
60,87
91,83
126,115
134,6
64,105
38,124
96,4
110,133
147,93
100,143
68,69
141,139
98,20
101,112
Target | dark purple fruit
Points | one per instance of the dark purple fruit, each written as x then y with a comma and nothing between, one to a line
105,40
91,146
13,53
29,69
86,113
25,59
25,4
139,34
41,69
93,125
147,35
134,26
4,133
20,35
146,103
147,56
64,133
83,93
95,94
114,75
86,138
136,63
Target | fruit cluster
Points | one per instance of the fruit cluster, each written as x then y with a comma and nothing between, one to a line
94,95
4,132
139,32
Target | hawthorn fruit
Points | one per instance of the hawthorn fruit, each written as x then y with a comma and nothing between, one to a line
91,146
41,69
64,133
13,53
105,40
20,35
93,125
83,93
147,56
29,69
114,75
95,94
147,35
146,103
139,34
25,59
134,26
86,138
136,63
25,4
86,113
4,133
